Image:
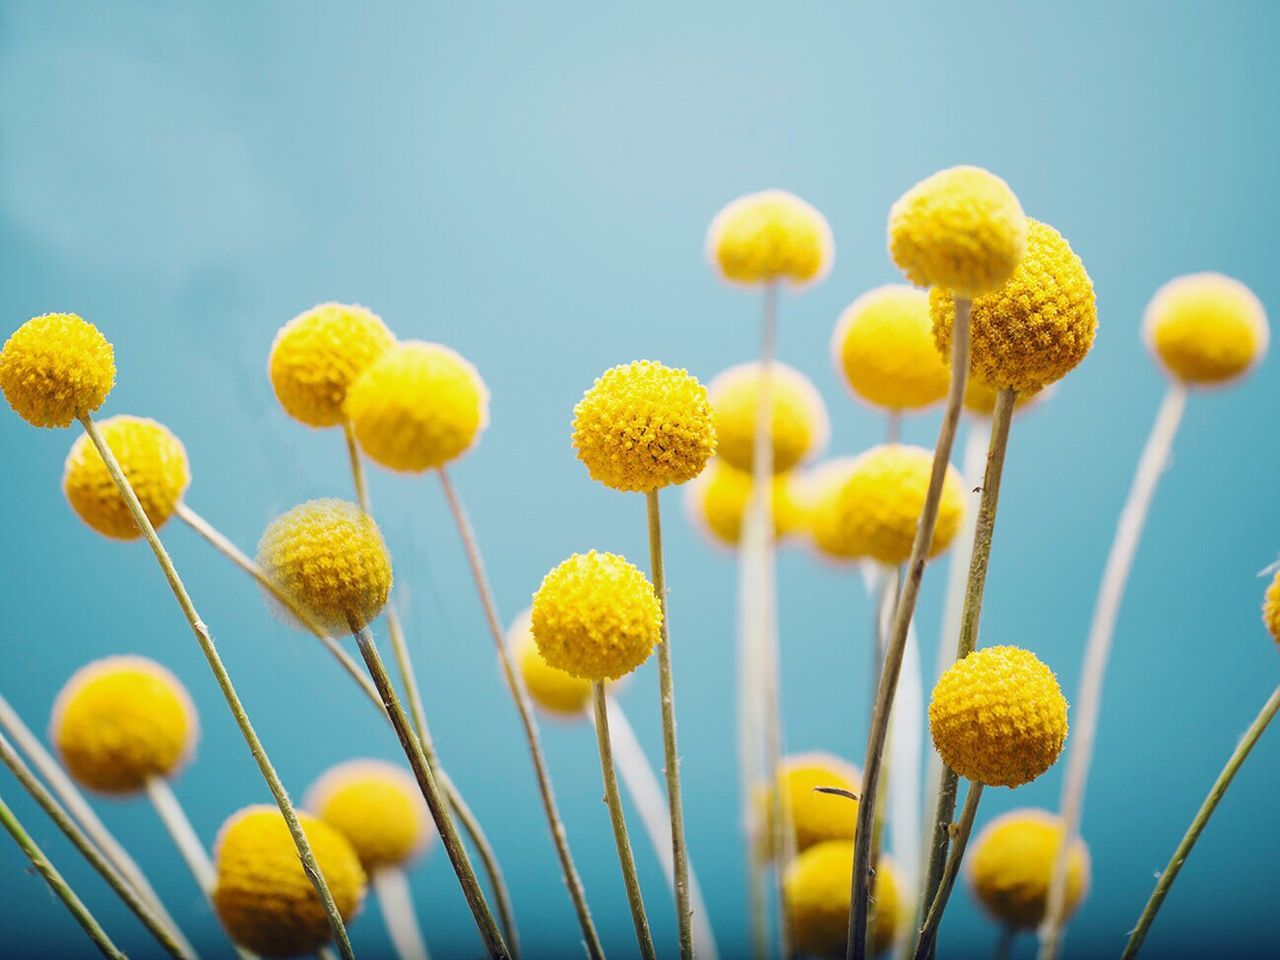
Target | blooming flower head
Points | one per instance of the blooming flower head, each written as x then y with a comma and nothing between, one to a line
559,693
55,369
262,895
883,347
1011,866
1036,328
328,556
768,237
122,720
798,425
818,898
596,617
1206,329
154,462
643,426
961,229
318,354
998,717
1271,609
717,502
378,807
815,817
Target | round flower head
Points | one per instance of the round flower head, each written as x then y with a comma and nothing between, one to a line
717,501
883,347
329,557
262,895
815,817
596,617
961,229
869,506
644,426
1206,329
378,807
55,369
560,694
417,407
998,717
120,721
818,897
1271,609
980,399
153,460
798,427
1037,327
768,237
318,354
1011,867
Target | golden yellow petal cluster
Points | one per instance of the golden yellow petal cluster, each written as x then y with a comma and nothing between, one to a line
717,502
378,807
818,896
56,368
1206,329
798,424
768,237
555,691
1010,867
815,817
883,347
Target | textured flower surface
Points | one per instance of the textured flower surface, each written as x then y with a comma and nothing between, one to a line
998,717
961,229
815,817
153,460
378,807
262,896
798,424
818,896
555,691
770,236
418,406
717,501
122,720
318,354
883,347
328,556
1206,328
596,617
643,426
1036,328
56,368
1010,867
1271,609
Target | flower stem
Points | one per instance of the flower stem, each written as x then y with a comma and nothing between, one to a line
391,887
357,466
960,840
1004,943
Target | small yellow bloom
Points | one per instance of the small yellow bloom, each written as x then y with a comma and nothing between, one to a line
883,346
1206,328
980,399
56,368
815,817
1271,609
560,694
818,895
798,425
717,502
1011,867
768,237
378,807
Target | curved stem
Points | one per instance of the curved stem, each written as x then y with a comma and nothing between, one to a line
391,887
960,840
357,466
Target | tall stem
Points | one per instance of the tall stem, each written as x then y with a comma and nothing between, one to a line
1004,943
929,934
357,466
391,887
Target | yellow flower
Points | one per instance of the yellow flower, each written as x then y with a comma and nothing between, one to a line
417,407
1206,328
378,807
770,236
595,616
122,720
980,399
717,501
1011,867
998,717
961,229
815,817
329,557
153,460
1037,327
869,506
798,425
318,354
262,896
555,691
883,346
1271,609
644,426
818,895
56,368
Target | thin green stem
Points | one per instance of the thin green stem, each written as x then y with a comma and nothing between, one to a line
929,933
357,466
1004,944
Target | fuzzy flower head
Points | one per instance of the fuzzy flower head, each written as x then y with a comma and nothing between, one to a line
1011,867
717,502
769,237
262,895
378,807
55,369
153,460
1271,609
122,720
559,693
318,354
418,407
883,348
329,557
815,817
818,898
1206,329
998,717
798,425
1036,328
961,229
643,426
596,617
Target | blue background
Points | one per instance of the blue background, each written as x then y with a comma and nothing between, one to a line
531,185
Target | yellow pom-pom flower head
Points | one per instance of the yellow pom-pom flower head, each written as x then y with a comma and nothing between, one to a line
318,354
1036,328
883,348
418,407
798,424
559,693
818,898
962,230
1010,867
998,717
643,426
328,556
154,462
122,720
717,502
1206,329
596,617
378,807
1271,609
769,237
55,369
262,895
815,817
